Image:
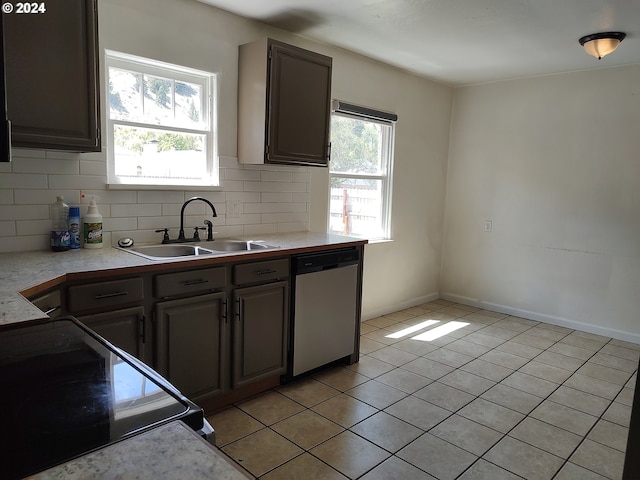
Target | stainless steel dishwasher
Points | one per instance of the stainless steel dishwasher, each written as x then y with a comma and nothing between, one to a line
325,310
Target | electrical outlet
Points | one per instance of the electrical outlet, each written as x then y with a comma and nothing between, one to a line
233,210
488,225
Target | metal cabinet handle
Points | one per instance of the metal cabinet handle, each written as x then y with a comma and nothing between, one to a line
225,310
143,335
267,271
239,309
110,295
197,281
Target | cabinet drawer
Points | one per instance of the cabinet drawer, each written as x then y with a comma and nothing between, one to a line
189,282
105,295
260,271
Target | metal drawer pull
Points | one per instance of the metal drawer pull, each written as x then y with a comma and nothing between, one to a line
266,272
111,295
194,282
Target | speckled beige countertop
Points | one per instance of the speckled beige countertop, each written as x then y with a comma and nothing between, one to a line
169,451
32,272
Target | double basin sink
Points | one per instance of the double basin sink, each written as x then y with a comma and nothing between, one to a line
215,247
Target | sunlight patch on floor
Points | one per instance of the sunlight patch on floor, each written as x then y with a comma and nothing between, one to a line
440,331
408,331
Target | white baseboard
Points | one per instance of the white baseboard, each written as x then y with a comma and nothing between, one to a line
541,317
369,314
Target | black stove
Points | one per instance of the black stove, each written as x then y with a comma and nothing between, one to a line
67,391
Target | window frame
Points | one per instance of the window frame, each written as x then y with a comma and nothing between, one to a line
385,175
145,66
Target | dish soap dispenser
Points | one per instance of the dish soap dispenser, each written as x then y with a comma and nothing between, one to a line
92,226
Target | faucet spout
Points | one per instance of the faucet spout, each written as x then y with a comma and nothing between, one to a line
184,205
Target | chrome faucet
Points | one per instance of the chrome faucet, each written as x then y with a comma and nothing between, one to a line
196,236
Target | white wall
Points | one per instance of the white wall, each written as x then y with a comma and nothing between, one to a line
274,199
554,163
405,271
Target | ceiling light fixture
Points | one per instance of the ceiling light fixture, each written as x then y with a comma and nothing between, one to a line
601,44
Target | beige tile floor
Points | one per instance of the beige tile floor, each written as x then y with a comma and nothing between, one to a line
500,397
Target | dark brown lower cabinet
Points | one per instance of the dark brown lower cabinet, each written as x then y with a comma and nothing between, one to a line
260,329
124,328
190,343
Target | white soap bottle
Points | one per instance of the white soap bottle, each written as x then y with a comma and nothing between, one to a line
92,226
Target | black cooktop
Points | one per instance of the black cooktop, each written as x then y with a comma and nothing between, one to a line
66,391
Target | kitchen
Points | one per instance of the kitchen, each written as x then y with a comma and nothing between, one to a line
549,160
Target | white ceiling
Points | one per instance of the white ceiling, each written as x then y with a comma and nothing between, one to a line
459,42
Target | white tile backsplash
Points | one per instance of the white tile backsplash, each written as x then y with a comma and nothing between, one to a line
275,186
24,180
7,228
273,198
31,227
268,176
274,207
46,165
6,197
45,197
242,197
136,210
276,197
91,182
118,224
241,174
92,168
24,212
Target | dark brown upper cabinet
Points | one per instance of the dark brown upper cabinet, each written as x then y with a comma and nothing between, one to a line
52,84
284,104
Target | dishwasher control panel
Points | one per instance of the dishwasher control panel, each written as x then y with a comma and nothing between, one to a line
325,260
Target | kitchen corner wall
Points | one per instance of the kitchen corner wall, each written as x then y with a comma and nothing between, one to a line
554,163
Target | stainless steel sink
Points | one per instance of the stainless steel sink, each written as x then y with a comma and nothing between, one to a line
179,250
160,252
230,245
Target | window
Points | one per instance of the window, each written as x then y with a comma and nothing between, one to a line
360,171
160,123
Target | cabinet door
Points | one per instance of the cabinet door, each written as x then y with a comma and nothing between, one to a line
190,343
260,329
124,328
51,76
299,106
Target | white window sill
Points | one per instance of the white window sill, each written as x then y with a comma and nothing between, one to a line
132,186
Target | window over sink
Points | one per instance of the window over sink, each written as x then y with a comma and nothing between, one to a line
160,123
360,172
